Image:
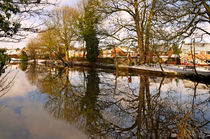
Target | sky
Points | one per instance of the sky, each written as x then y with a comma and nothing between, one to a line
23,42
71,3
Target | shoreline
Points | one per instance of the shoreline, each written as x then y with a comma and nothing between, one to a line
169,70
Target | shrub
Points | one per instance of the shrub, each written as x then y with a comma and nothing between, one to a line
3,57
23,56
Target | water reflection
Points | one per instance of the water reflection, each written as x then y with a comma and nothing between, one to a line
23,117
6,81
88,102
71,102
23,65
121,105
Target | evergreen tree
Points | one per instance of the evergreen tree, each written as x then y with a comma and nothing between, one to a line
3,58
88,30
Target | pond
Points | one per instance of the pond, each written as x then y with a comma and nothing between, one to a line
40,102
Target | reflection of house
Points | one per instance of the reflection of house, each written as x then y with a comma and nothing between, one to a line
201,51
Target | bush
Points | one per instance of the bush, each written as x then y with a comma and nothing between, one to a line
23,56
23,65
3,57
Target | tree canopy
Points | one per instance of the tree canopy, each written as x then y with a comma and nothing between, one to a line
145,25
88,29
14,12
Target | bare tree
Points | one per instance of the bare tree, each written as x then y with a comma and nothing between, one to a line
50,41
153,22
140,15
63,23
32,48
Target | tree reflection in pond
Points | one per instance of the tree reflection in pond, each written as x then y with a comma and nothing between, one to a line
88,102
23,65
6,81
147,107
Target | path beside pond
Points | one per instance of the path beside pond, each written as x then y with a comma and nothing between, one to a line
169,70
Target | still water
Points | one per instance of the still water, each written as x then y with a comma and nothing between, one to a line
39,102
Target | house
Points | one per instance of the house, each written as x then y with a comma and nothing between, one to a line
12,52
201,52
120,52
107,53
77,52
169,57
117,51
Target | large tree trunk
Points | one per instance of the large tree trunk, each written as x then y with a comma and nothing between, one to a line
147,37
138,31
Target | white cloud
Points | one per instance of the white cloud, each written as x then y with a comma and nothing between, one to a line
28,119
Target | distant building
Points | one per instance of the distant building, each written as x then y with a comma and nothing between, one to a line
201,51
119,51
169,57
107,53
77,52
13,51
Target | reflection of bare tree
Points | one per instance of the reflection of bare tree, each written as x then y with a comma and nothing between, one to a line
32,73
23,65
75,104
6,83
100,107
57,86
35,71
